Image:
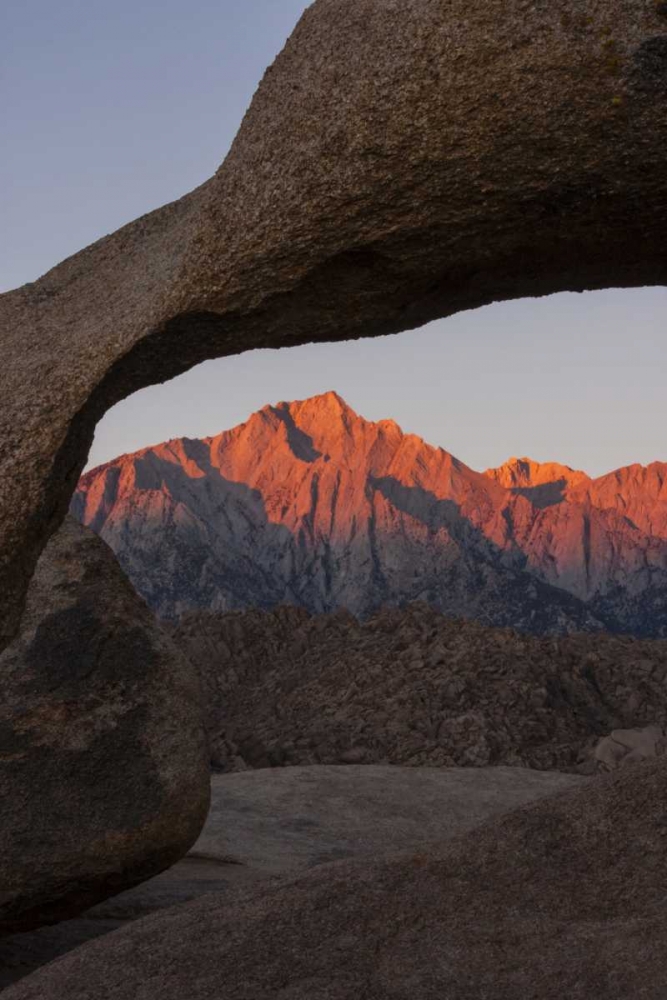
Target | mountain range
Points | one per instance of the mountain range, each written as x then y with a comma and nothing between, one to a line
308,503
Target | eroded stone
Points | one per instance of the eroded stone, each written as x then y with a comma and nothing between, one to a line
266,823
103,762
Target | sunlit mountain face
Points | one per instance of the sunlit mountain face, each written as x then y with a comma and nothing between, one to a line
307,503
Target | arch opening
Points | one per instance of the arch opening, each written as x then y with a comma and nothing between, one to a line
351,204
364,511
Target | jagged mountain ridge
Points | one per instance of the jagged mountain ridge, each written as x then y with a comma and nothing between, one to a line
308,503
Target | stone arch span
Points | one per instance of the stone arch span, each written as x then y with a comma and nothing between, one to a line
399,162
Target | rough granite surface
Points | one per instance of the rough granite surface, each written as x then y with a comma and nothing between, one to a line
399,162
266,823
562,898
103,760
413,687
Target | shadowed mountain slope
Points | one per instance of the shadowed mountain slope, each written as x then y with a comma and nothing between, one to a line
308,503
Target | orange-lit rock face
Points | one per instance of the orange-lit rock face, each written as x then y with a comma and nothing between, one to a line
591,535
309,503
523,473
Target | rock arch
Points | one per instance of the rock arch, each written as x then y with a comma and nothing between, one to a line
400,162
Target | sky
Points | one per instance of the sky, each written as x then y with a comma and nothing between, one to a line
110,110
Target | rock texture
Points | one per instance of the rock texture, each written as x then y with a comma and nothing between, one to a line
307,503
295,818
266,823
412,687
565,897
190,878
399,162
629,746
603,540
103,763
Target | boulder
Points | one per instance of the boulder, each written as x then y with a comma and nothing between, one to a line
399,162
561,898
411,686
643,742
627,746
608,753
103,760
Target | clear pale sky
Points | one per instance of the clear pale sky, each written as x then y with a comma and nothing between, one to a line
112,109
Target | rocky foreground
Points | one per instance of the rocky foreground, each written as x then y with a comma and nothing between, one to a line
560,898
415,688
264,824
308,503
328,882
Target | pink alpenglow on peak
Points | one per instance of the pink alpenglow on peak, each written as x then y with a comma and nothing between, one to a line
308,503
524,472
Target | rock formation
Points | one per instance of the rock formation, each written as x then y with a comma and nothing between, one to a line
103,761
307,503
399,162
299,817
561,898
412,687
525,474
266,823
628,746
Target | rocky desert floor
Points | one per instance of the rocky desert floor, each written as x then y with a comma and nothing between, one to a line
374,865
413,687
269,823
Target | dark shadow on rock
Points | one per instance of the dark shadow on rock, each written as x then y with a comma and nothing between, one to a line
192,557
436,514
544,495
300,442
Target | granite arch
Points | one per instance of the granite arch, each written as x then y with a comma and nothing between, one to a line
400,162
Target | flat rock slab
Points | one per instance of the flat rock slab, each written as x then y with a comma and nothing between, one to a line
284,819
276,821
